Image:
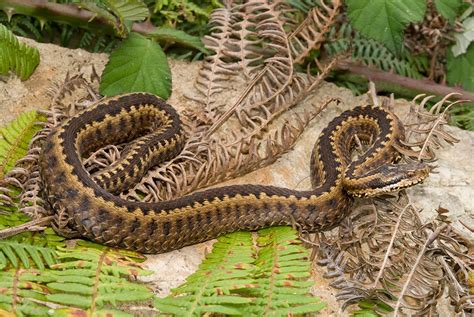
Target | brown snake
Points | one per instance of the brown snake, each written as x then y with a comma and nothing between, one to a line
95,212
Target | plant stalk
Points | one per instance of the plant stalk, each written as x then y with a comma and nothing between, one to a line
416,86
67,13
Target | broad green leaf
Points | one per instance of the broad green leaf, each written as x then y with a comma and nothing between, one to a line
385,20
460,69
448,8
138,65
178,36
464,38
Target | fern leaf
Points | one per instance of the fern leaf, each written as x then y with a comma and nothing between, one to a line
28,249
102,278
212,289
282,270
26,254
235,280
15,138
15,56
372,53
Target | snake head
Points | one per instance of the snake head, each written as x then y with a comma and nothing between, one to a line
387,178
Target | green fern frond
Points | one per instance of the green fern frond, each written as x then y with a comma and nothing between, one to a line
15,138
28,249
463,116
282,274
212,289
25,254
12,219
23,25
372,53
18,293
236,280
15,56
95,277
85,281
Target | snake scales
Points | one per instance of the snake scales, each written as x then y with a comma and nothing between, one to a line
97,213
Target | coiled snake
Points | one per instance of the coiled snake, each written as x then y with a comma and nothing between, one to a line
95,212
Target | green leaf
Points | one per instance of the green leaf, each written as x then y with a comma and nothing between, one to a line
15,56
178,36
448,8
138,65
460,69
15,138
385,20
234,280
128,10
464,38
27,253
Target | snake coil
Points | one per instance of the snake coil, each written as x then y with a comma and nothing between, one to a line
96,212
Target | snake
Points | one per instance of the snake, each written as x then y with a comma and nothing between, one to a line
153,134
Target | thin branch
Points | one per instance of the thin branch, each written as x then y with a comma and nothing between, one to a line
419,85
68,13
33,225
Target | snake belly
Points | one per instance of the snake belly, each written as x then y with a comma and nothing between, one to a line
97,213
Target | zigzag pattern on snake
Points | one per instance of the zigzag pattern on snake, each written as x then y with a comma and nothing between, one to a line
96,211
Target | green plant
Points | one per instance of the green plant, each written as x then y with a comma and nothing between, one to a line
15,56
138,64
15,138
82,280
373,53
412,39
238,278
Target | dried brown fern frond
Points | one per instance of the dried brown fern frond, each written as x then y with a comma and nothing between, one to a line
273,91
426,130
206,162
385,253
313,30
278,78
300,87
278,68
215,72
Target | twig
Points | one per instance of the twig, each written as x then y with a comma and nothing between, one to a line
68,13
419,85
33,225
